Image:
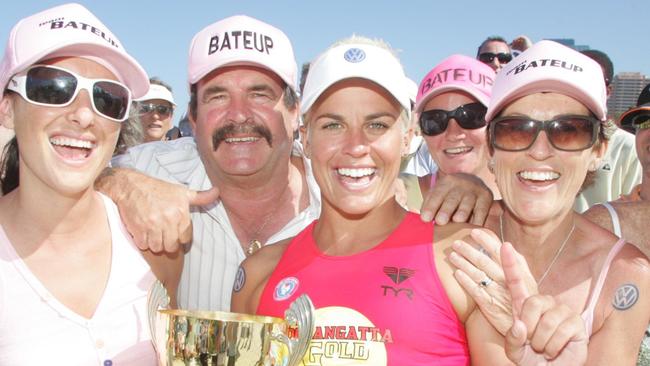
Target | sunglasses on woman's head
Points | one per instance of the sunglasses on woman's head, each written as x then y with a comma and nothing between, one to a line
161,109
566,133
488,57
53,86
468,116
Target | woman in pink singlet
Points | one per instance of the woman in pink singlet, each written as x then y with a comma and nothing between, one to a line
73,286
379,277
545,130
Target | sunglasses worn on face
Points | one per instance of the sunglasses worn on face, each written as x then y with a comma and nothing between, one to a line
640,119
566,133
54,86
488,57
161,109
468,116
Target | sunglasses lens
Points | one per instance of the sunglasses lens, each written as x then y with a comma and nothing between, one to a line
111,99
513,134
433,122
504,58
486,57
50,86
642,118
471,116
571,134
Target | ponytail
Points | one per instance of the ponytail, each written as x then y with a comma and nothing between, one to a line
9,167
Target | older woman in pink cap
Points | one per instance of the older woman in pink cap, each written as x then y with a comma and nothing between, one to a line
546,135
73,286
450,107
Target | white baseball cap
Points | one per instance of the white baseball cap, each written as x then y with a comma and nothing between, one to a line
69,30
356,60
157,92
242,40
548,66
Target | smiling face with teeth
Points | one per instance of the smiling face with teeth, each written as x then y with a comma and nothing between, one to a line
244,100
542,182
62,148
458,150
354,136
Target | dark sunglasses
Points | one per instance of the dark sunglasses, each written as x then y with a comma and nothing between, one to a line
468,116
161,109
566,133
488,57
640,119
47,85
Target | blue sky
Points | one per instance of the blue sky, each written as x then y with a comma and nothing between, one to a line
158,33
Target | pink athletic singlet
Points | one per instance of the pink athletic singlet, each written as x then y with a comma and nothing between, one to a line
385,306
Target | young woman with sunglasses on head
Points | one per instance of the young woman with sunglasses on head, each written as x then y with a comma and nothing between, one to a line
450,107
73,286
545,134
376,273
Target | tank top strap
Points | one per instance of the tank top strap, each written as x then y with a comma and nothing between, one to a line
615,221
588,313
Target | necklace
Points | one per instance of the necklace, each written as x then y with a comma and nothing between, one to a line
255,244
557,254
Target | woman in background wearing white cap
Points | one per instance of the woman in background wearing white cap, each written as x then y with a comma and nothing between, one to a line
450,107
156,110
73,286
545,132
379,279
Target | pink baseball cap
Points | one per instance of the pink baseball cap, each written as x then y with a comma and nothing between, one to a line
69,30
242,40
548,66
457,72
356,60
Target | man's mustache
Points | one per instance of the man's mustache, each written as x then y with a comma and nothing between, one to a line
231,129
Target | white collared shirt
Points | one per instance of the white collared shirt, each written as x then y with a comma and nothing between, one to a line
215,254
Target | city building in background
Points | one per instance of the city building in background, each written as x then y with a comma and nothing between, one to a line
626,89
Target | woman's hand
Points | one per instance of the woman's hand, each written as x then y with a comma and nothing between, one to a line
481,275
543,332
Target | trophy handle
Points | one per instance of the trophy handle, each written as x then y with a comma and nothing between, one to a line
156,300
301,315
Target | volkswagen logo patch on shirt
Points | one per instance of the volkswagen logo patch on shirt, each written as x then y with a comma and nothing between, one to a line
354,55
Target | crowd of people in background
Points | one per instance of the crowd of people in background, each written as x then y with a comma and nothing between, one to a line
491,213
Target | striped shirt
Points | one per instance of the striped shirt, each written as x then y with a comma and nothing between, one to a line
211,263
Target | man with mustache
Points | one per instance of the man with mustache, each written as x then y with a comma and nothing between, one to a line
244,111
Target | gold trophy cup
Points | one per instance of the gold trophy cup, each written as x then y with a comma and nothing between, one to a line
204,338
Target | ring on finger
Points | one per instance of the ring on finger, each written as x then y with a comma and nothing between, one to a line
485,282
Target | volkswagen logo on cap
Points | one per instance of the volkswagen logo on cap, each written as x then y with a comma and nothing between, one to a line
354,55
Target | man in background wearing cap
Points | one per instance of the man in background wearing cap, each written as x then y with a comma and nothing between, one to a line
156,110
244,111
619,170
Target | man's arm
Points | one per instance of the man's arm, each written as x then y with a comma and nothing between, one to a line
459,197
156,213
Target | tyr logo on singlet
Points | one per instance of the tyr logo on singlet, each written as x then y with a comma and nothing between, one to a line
398,276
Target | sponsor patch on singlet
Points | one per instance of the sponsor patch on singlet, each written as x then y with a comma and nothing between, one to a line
285,288
344,336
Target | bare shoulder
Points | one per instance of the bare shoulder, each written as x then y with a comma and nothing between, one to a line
252,275
445,235
599,215
631,263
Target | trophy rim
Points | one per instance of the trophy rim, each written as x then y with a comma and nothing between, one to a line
223,316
